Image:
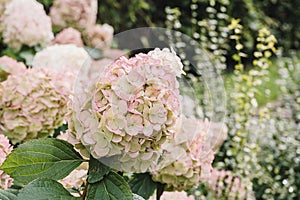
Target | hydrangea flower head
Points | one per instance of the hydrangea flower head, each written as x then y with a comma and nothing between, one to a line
187,158
68,36
22,27
79,14
31,105
5,149
100,36
131,111
65,61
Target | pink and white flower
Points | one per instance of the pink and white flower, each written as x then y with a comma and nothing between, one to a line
21,27
129,111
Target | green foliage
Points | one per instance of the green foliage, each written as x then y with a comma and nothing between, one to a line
142,184
40,189
47,4
6,195
124,15
111,187
283,19
97,170
42,158
279,158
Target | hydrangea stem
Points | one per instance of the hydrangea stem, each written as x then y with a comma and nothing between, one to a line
159,190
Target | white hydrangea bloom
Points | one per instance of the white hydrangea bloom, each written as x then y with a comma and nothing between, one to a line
25,23
63,60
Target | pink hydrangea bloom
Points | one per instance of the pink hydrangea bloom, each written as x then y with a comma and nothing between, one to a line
31,105
11,65
5,149
174,196
68,36
130,111
99,36
224,184
79,14
188,157
22,27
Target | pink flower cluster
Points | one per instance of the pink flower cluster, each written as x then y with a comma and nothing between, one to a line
22,27
225,185
31,105
82,15
99,36
187,158
79,14
68,36
5,149
132,110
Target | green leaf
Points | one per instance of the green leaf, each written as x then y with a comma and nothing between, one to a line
42,158
142,184
111,187
97,170
6,195
45,189
137,197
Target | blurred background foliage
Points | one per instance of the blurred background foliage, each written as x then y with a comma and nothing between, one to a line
281,16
